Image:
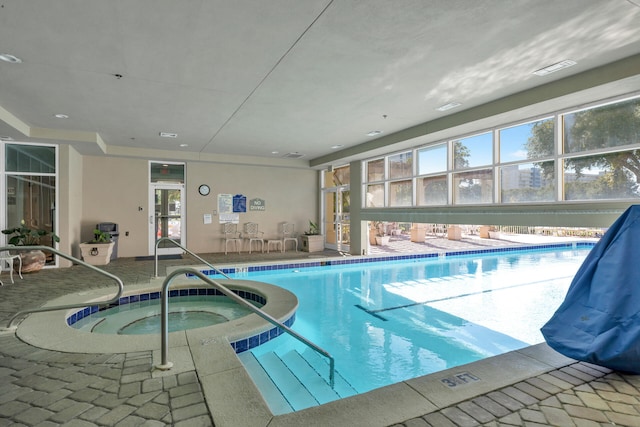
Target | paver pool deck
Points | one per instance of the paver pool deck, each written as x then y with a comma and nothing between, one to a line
534,386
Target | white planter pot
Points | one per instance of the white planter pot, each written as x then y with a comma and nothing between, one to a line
97,253
382,240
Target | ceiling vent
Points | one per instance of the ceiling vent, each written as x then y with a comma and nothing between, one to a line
294,155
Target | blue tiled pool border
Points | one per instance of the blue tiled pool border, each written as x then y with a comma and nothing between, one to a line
383,258
239,346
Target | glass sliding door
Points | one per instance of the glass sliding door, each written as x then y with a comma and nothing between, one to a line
336,219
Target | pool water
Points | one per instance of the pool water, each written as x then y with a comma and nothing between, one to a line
143,317
387,322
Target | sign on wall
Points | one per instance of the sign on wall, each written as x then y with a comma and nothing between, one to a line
239,203
257,205
225,204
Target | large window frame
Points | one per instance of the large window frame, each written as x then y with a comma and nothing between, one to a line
543,175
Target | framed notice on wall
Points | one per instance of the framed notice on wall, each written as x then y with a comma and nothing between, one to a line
225,204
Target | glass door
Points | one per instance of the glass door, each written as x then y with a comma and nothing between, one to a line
167,218
336,219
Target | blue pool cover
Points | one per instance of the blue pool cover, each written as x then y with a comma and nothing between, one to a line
599,320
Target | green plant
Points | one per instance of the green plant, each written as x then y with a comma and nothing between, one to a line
25,236
313,229
101,236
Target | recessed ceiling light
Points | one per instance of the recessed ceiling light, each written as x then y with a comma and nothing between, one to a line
374,133
274,152
333,147
449,106
6,57
61,116
184,145
168,135
555,67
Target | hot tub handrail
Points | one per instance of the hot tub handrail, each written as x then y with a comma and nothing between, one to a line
165,364
67,306
167,239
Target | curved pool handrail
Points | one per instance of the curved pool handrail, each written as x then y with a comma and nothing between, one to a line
116,298
164,325
168,239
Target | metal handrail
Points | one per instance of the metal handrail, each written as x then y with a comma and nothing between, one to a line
68,306
165,364
168,239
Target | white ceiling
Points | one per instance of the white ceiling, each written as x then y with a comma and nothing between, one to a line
250,77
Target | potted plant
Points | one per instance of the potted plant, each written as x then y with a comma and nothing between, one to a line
312,240
32,260
98,250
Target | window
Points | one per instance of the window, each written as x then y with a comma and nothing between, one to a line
528,141
401,193
375,170
527,182
432,159
167,172
473,151
474,187
609,126
401,165
375,196
31,184
601,177
432,191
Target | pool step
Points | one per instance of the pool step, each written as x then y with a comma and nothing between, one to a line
290,382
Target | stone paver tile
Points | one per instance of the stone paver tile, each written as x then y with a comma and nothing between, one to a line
624,387
205,421
578,373
506,401
10,409
186,400
459,417
491,405
552,402
131,421
623,419
618,397
182,414
533,416
170,382
569,398
85,395
436,419
579,422
414,422
162,398
566,377
78,423
531,390
584,387
187,378
557,417
512,419
476,412
152,384
130,389
544,385
71,412
33,416
623,408
136,369
560,383
139,376
184,389
152,410
586,413
109,400
142,398
38,382
601,385
519,395
592,400
115,415
590,369
93,413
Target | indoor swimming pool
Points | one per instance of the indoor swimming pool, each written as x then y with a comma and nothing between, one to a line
385,322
